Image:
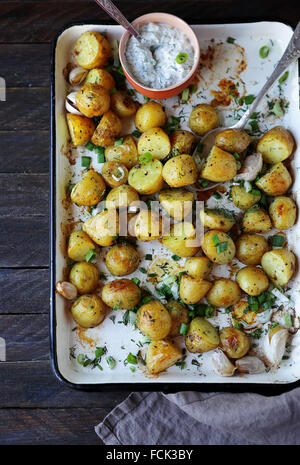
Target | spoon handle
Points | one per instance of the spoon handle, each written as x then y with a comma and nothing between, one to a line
292,52
116,14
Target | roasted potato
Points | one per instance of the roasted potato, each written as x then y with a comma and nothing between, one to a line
203,118
148,226
232,140
101,77
179,314
154,320
103,228
276,145
84,276
192,290
223,293
122,259
91,50
279,265
252,280
220,166
122,196
81,128
177,202
180,171
90,190
283,212
256,220
243,199
88,311
241,311
114,173
276,181
79,245
150,115
121,294
198,267
202,336
161,355
108,130
182,240
182,142
146,178
217,218
218,247
156,142
125,153
122,104
234,342
250,248
92,100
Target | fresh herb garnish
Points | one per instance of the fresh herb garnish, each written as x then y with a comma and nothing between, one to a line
264,51
145,158
181,58
91,255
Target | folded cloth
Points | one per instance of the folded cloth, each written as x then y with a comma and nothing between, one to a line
191,418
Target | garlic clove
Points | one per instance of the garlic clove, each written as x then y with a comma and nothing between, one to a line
71,106
67,290
274,346
77,76
221,364
251,167
250,364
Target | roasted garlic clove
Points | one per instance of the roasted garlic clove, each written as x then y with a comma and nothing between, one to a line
71,106
77,76
250,364
67,290
251,167
221,364
274,344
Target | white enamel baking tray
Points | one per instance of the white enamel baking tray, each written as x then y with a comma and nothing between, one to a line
118,338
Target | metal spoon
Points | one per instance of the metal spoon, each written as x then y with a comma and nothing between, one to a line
291,54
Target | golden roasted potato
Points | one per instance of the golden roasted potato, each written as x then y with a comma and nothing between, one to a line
121,294
150,115
256,220
148,226
79,245
177,202
283,212
218,247
182,142
125,153
84,276
250,248
252,280
223,293
122,259
154,320
232,140
156,142
243,199
234,342
91,50
279,265
92,100
146,178
108,130
81,128
198,267
220,166
276,181
161,355
202,336
203,118
192,290
180,171
90,190
101,77
182,240
122,104
217,218
276,145
179,314
88,311
114,173
103,228
122,196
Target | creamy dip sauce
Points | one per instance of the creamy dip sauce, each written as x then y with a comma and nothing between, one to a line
157,68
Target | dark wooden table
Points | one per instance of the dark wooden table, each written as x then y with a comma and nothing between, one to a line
35,408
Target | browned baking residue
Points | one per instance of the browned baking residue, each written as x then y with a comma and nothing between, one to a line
205,195
83,338
226,94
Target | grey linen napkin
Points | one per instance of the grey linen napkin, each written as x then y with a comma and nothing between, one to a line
191,418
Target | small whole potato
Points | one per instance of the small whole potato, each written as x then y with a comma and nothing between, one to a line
192,290
182,240
147,178
88,311
233,140
150,115
182,142
223,293
220,166
203,118
252,280
92,100
122,196
276,145
91,50
84,276
108,129
122,104
243,199
156,142
90,190
283,212
81,128
250,248
198,267
121,294
122,259
114,173
103,228
256,220
177,202
148,226
202,336
154,320
125,153
218,247
101,77
234,342
279,265
217,218
79,245
180,171
161,355
179,314
276,181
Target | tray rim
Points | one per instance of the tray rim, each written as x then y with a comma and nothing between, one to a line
266,389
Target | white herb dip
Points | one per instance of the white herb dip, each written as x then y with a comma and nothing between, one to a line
159,69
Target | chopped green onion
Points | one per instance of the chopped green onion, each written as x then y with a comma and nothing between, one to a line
216,195
100,151
131,359
222,247
176,258
136,281
136,133
185,95
110,362
203,182
277,110
142,270
91,255
85,162
216,239
283,77
277,240
264,51
148,256
89,145
288,319
210,311
249,99
248,186
193,88
80,359
254,125
119,141
184,328
145,158
230,40
181,58
146,299
100,351
146,98
236,155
